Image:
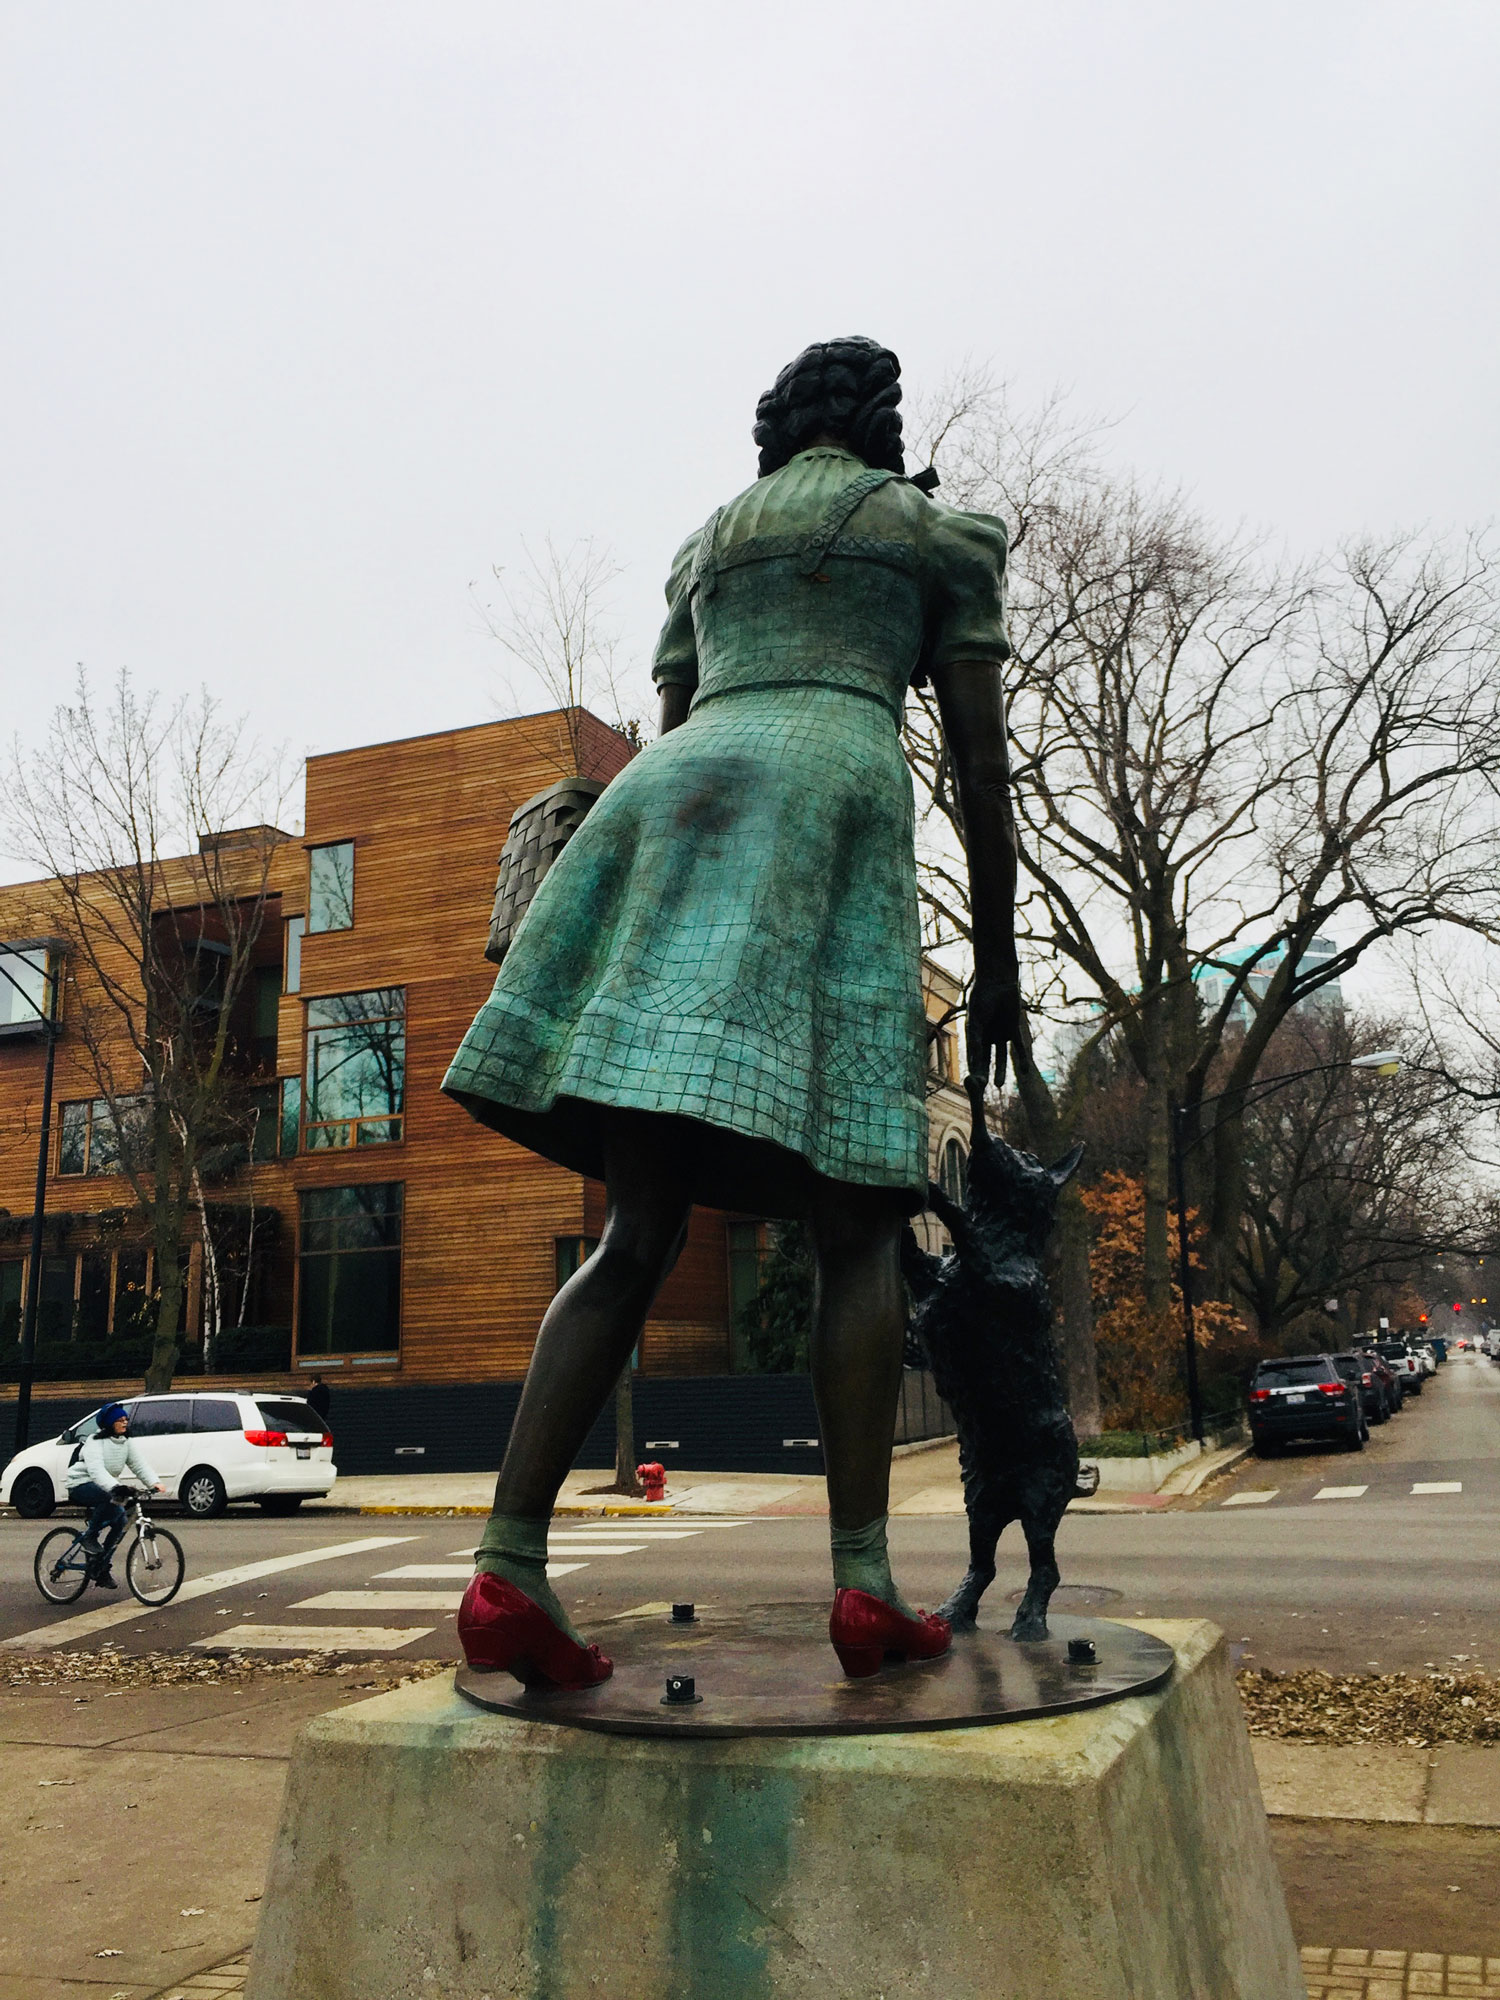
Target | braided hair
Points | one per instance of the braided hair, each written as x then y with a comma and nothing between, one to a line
849,389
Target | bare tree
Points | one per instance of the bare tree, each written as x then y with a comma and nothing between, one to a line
1216,762
135,810
1353,1184
555,620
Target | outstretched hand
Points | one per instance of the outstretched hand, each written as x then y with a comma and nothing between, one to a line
995,1021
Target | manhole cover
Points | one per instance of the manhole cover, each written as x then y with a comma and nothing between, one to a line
1077,1596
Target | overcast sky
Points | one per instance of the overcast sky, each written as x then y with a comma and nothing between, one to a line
312,311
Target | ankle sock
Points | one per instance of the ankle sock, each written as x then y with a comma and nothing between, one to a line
516,1549
861,1562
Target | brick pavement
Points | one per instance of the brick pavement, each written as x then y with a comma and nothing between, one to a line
1345,1974
218,1980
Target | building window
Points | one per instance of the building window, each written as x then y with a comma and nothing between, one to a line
953,1171
330,887
291,978
12,1288
266,1004
28,975
570,1253
349,1269
291,1115
90,1295
355,1074
89,1138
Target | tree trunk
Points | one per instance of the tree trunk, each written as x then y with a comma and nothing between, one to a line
1158,1272
625,1479
167,1343
1073,1298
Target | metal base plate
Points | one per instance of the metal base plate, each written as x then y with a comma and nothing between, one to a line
768,1670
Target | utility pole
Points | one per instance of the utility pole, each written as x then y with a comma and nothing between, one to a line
1185,1277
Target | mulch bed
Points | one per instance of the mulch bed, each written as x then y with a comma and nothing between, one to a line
1415,1709
140,1670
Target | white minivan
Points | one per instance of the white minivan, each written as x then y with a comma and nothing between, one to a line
206,1449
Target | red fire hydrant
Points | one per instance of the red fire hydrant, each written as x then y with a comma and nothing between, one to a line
654,1478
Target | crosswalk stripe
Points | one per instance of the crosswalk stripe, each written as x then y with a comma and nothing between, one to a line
1252,1499
88,1622
425,1572
382,1600
1340,1492
314,1638
1438,1486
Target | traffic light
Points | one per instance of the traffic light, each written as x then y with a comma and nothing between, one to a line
1421,1319
1458,1305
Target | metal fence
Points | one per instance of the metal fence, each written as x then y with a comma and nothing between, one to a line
922,1413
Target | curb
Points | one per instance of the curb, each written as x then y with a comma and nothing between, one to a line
1211,1466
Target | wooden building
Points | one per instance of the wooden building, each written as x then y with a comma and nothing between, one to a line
395,1239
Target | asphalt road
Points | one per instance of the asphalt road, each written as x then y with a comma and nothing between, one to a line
1382,1577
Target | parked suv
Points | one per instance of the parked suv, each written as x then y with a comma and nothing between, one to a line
1390,1387
1304,1396
1356,1369
1403,1364
206,1449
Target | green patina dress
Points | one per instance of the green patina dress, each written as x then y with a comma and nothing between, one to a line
731,937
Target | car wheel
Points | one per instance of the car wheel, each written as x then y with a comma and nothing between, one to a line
281,1503
32,1495
203,1493
1355,1441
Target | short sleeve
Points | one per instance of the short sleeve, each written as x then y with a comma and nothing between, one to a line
965,577
675,661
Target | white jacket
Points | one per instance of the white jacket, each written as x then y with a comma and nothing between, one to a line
103,1460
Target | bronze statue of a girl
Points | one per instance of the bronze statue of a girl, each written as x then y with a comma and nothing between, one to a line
715,994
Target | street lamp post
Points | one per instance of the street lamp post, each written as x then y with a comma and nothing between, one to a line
47,1015
1386,1062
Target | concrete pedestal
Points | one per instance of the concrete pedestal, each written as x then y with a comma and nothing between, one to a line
430,1852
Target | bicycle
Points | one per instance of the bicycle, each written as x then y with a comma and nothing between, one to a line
65,1566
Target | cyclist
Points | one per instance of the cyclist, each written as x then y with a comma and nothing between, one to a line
91,1481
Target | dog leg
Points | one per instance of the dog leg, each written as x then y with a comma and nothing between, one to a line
988,1519
1030,1621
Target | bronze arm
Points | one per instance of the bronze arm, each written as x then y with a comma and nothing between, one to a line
971,704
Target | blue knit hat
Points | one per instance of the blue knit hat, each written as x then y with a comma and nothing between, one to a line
111,1414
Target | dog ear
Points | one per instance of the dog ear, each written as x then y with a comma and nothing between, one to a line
1066,1167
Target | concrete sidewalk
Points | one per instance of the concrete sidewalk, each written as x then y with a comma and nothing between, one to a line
924,1480
141,1819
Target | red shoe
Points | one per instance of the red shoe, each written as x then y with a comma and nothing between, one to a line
865,1631
501,1630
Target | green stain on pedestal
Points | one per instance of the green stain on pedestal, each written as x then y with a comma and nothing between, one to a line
732,1859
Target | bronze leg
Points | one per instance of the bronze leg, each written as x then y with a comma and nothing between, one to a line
859,1325
596,1319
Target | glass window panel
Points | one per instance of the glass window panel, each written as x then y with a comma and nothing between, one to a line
293,1414
349,1297
570,1254
330,887
54,1312
356,1068
12,1286
28,973
291,1114
265,1118
162,1416
292,973
93,1295
104,1139
216,1413
267,1001
135,1305
337,1010
954,1172
73,1143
